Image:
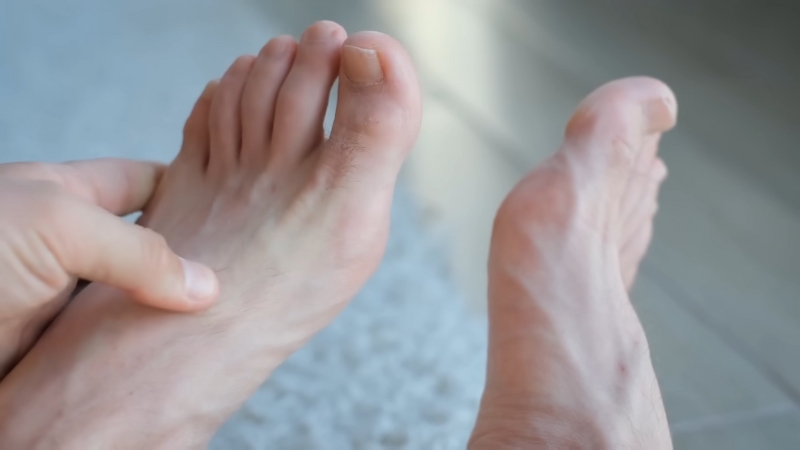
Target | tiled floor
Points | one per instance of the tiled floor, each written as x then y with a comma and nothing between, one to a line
720,290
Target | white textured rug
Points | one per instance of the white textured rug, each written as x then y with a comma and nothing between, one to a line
401,368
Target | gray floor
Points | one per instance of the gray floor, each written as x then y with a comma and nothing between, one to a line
720,290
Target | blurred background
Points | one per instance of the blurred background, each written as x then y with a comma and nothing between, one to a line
719,292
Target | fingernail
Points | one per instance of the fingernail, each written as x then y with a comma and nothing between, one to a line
361,65
660,114
199,281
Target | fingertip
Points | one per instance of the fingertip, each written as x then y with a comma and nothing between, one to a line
200,284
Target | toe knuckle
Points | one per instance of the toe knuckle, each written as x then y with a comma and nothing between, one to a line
622,151
612,121
583,122
597,106
342,152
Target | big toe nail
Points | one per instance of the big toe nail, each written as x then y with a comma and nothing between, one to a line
378,112
661,113
361,65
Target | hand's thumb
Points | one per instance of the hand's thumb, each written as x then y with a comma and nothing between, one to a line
92,244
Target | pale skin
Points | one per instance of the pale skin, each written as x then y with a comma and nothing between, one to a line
60,223
569,365
293,223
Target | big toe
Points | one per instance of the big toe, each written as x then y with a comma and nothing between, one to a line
611,125
377,116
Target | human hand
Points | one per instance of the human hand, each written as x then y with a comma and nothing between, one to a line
59,223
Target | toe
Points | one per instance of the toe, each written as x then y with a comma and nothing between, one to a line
659,171
260,95
621,114
225,119
642,176
640,203
194,150
637,225
378,114
632,253
303,99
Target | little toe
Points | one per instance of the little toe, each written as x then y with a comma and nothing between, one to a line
377,116
303,98
194,151
260,95
225,125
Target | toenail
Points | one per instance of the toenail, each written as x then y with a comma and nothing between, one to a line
361,65
660,114
278,47
199,281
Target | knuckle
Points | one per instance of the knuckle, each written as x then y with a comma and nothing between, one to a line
342,153
33,237
158,265
583,122
594,116
49,202
154,250
610,120
39,272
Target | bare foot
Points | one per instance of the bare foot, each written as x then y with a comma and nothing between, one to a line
569,364
292,222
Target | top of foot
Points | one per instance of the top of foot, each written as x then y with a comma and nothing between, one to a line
293,222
